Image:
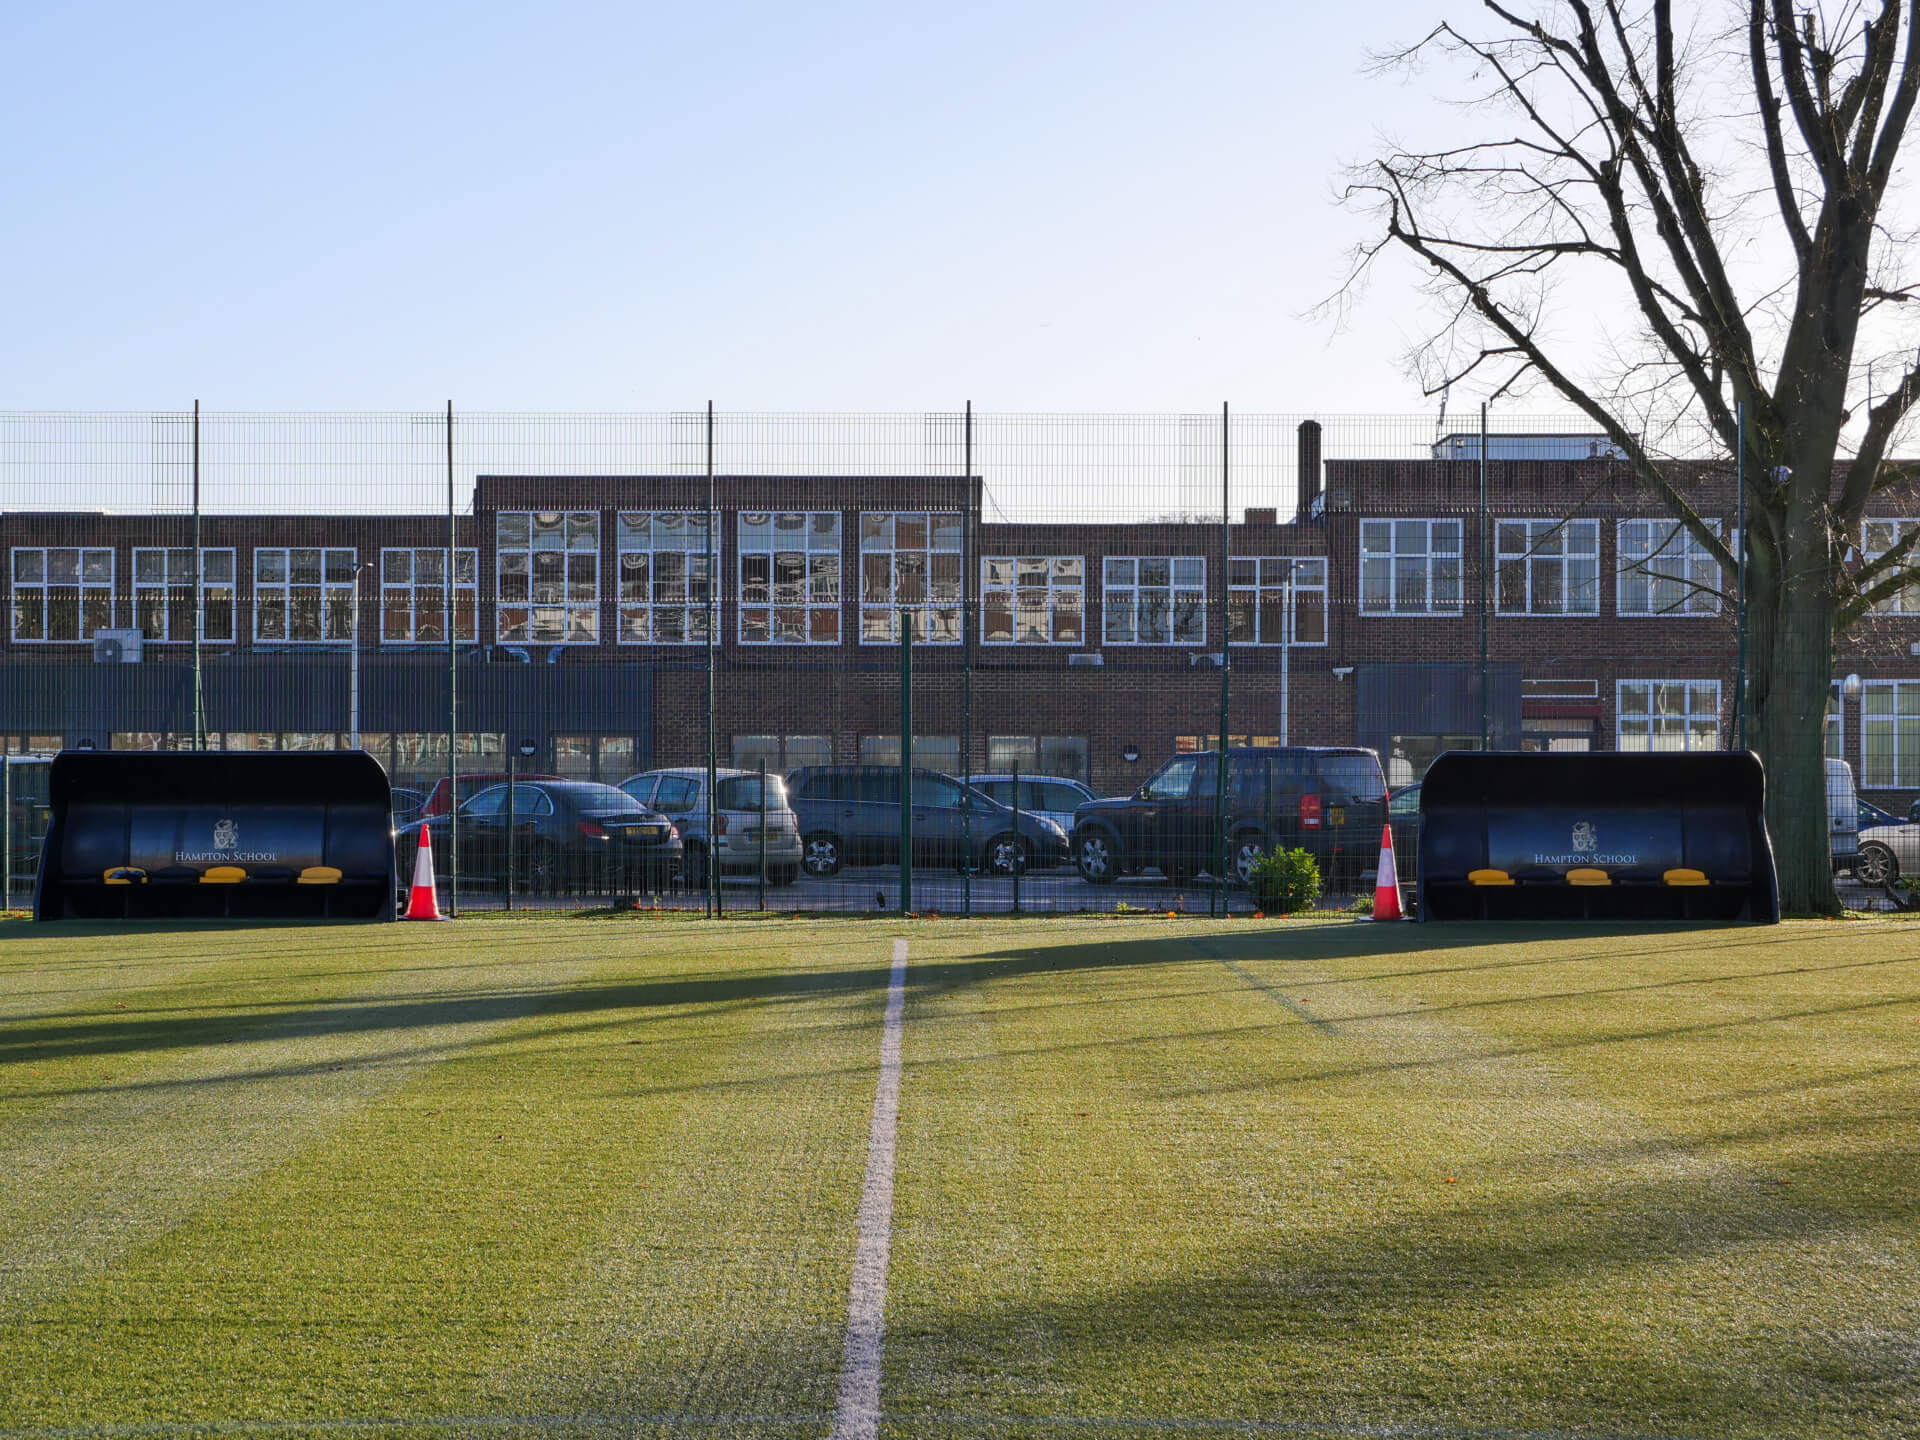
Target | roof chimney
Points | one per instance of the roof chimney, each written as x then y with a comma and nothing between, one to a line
1309,467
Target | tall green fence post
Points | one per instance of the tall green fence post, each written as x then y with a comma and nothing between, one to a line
906,762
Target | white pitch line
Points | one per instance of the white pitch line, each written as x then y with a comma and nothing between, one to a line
857,1416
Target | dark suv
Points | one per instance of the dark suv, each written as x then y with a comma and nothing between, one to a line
1329,801
850,815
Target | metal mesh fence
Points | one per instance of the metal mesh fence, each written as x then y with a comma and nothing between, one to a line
551,628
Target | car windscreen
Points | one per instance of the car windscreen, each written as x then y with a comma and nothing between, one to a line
742,792
1350,779
594,799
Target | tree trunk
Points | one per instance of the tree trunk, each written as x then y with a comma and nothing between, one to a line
1790,657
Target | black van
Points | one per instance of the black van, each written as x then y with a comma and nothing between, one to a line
850,815
1331,801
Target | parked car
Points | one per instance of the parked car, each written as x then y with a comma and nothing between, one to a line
567,834
1053,796
1329,801
850,815
471,785
1843,816
1403,814
1872,815
407,804
681,795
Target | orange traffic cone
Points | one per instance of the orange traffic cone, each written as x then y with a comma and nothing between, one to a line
421,902
1386,880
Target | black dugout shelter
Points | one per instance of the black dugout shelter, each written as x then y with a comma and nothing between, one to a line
1596,836
219,834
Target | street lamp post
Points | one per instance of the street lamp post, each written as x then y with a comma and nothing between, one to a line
353,663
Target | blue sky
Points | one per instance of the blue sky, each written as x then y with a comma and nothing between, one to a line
635,207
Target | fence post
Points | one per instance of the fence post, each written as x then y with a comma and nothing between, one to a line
969,617
763,834
906,761
6,826
713,763
1484,549
1014,861
199,600
453,700
1740,524
1217,897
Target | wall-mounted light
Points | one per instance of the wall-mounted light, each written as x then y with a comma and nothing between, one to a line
527,747
1131,754
1850,687
1341,672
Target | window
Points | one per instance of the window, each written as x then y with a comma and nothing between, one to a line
935,752
910,561
1408,756
303,596
549,576
163,603
1185,744
1410,567
1062,755
1033,600
1890,734
1876,538
413,596
1668,715
789,578
1262,589
1155,600
1547,567
664,594
781,753
1665,570
61,596
1174,780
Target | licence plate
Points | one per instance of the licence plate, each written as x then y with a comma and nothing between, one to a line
1337,816
644,832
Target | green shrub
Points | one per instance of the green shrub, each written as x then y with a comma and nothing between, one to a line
1283,882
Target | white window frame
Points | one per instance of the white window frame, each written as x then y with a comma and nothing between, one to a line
465,557
1647,715
1904,772
1684,562
45,586
579,600
1277,573
1028,587
1558,535
1879,535
328,593
939,608
166,584
818,596
693,582
1427,559
1123,582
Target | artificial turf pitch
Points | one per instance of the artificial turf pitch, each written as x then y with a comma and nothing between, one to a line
576,1176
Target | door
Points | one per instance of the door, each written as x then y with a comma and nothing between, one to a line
483,835
873,834
1155,820
937,820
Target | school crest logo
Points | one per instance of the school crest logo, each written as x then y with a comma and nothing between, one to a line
1585,838
226,835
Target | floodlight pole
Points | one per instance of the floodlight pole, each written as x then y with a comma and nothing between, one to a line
969,617
1217,897
1740,524
1486,726
906,761
453,699
199,599
712,877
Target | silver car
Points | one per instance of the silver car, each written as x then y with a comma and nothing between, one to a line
681,793
1052,797
1886,853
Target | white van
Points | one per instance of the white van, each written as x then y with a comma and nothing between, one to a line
1843,816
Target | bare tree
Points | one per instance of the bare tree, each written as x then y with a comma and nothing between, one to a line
1731,190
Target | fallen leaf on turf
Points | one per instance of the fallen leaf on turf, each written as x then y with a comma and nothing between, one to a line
1452,1181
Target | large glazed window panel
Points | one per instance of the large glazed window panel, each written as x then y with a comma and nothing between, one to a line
1548,567
910,561
789,577
1154,600
163,594
1269,596
1410,567
665,593
414,596
1890,734
1033,600
303,595
548,582
1668,715
1665,570
1877,537
61,596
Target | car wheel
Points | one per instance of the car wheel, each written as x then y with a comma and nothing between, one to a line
1248,850
1006,854
543,869
1876,865
820,854
1097,858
